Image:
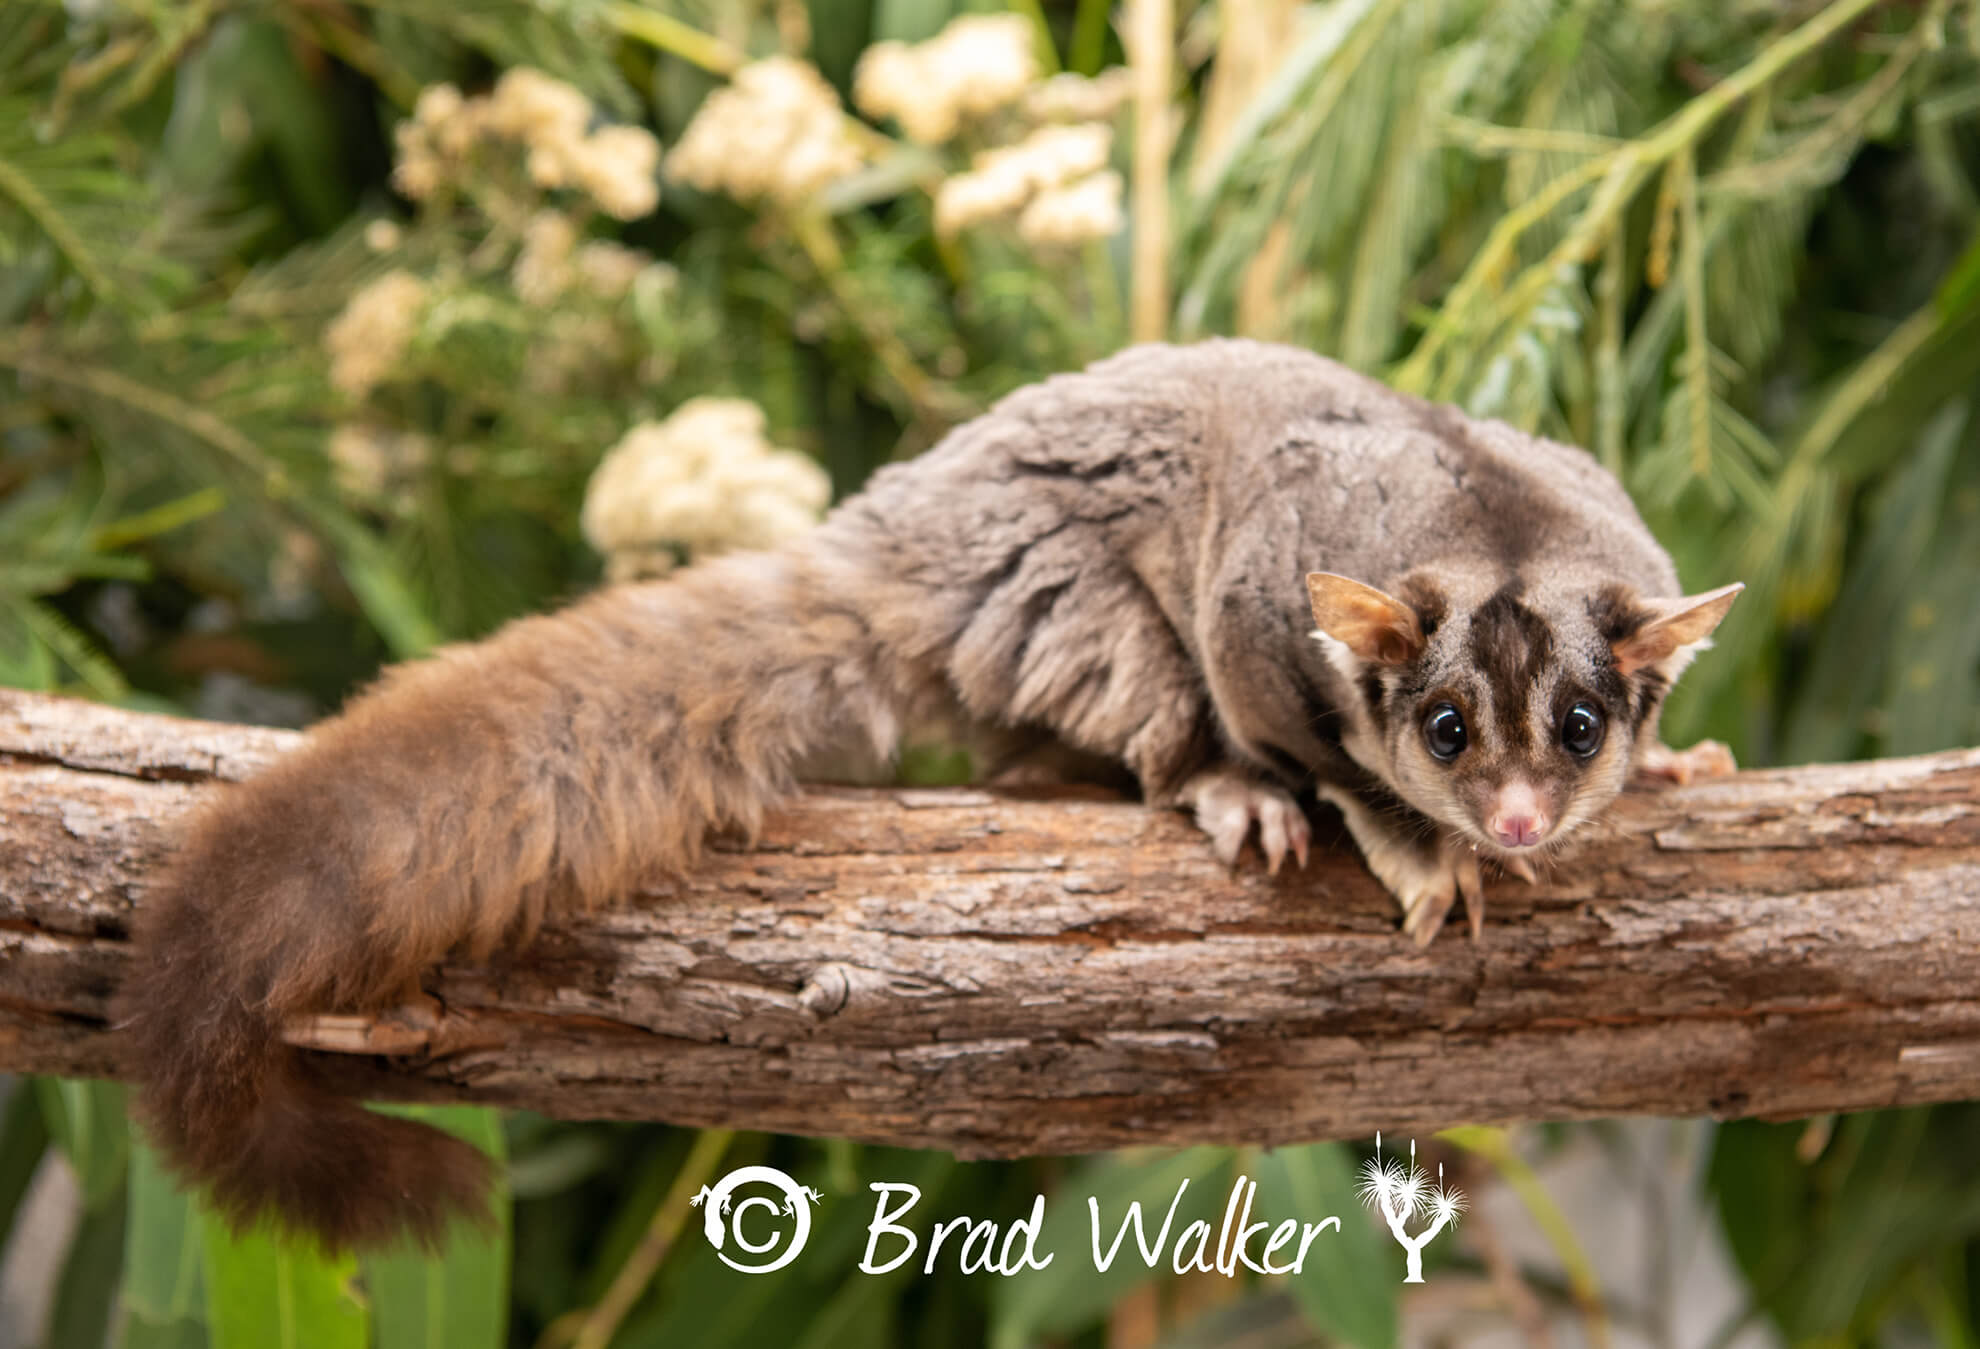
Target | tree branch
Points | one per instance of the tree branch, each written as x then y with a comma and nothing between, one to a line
1002,975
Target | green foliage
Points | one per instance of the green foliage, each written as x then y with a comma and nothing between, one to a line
265,1293
1344,1291
23,1143
86,1120
1733,249
164,1292
461,1301
1839,1248
149,1267
1075,1291
85,1293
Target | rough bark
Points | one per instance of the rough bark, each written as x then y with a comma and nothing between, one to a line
1001,975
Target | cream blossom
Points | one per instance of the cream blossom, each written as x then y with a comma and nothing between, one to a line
542,270
376,326
432,142
776,132
536,109
1068,97
970,198
616,165
976,65
1075,213
705,480
1004,179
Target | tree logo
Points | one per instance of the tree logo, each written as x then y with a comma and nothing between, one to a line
722,1220
1400,1192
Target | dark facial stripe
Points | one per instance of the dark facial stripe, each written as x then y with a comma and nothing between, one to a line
1614,612
1429,602
1510,645
1647,690
1371,694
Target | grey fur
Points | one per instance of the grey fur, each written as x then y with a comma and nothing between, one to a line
1116,556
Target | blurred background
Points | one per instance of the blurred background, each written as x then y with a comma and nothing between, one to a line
333,330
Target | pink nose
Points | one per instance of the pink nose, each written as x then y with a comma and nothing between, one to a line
1518,831
1518,817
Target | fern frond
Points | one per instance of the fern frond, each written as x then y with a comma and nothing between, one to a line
41,183
572,40
289,481
1293,129
1405,199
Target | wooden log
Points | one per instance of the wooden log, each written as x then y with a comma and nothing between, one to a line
1001,975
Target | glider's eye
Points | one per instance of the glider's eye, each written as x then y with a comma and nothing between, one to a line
1443,732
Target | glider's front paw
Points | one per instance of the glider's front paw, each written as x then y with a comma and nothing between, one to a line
1227,803
1706,759
1427,886
1425,874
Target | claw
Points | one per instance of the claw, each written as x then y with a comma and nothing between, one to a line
1227,803
1283,828
1426,877
1520,867
1272,839
1428,898
1426,912
1472,886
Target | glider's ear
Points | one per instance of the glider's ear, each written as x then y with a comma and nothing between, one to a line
1672,628
1376,627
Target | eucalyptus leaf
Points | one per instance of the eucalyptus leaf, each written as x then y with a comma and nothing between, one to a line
268,1292
1348,1284
1827,1244
23,1144
86,1291
1934,689
1852,652
459,1298
87,1121
163,1298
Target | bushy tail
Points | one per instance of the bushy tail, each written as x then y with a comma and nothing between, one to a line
235,1109
454,807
